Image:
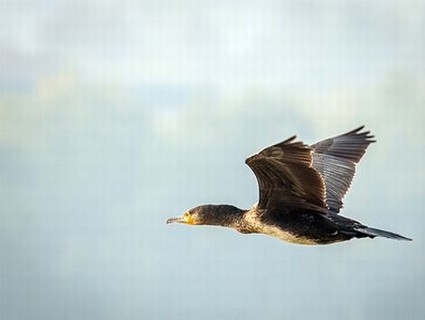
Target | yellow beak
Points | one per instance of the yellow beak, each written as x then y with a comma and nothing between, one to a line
185,218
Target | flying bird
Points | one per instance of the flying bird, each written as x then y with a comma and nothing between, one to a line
301,188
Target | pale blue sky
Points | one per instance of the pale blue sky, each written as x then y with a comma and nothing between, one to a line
117,115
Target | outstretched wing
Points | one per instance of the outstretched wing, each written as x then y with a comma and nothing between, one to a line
286,177
335,158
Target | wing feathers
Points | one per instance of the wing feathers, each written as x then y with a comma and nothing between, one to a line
291,173
335,159
285,176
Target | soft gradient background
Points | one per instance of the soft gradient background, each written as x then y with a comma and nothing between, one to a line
115,115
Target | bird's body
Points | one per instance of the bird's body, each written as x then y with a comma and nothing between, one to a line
301,189
303,227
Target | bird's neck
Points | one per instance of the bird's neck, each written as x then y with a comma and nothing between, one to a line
224,215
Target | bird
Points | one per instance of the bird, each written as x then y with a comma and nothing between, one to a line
301,188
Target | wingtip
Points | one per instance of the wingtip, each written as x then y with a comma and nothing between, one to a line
290,139
366,134
359,128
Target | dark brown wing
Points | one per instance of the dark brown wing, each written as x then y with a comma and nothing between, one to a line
336,159
286,177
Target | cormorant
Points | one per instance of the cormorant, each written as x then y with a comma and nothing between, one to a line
301,189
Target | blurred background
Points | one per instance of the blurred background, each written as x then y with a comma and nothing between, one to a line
115,115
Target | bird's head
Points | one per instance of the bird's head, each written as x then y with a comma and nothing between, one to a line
221,215
191,216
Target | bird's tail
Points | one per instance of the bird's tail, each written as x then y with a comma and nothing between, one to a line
372,233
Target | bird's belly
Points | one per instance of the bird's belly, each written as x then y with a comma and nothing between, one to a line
287,236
